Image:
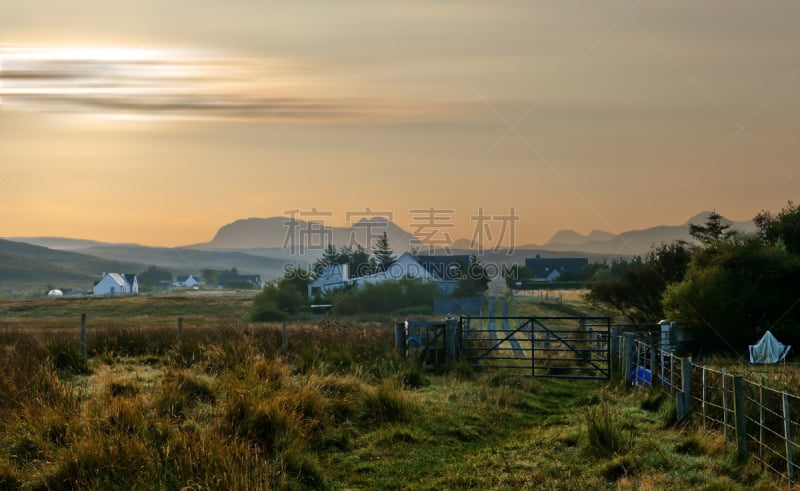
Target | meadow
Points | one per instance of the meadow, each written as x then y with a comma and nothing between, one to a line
224,407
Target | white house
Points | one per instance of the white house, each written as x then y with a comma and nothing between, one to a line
116,284
187,282
336,276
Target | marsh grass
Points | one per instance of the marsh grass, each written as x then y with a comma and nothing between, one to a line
605,428
223,407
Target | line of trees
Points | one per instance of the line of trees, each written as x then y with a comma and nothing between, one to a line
360,261
728,286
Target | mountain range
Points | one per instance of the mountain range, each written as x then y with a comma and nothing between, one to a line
265,245
633,242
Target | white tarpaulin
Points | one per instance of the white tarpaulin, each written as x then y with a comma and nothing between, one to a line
768,350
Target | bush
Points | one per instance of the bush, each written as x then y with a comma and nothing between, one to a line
66,359
386,404
384,298
605,430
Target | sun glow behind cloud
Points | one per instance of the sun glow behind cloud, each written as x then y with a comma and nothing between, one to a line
151,84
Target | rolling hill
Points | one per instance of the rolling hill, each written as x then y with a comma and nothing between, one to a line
26,266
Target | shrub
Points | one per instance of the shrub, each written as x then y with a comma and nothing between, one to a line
386,404
618,467
652,401
414,378
66,359
269,425
605,430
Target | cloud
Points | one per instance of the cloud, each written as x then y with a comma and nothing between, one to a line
170,84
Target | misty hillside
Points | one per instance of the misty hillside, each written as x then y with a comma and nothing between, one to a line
24,265
185,260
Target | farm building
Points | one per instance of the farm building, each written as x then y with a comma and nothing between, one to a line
187,281
444,270
116,284
551,268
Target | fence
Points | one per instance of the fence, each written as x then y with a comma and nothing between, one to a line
760,421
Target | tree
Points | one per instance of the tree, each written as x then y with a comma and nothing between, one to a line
358,262
781,229
712,231
734,291
636,288
283,298
153,276
330,256
516,274
473,281
382,254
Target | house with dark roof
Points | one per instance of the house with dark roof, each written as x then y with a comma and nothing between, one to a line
187,281
444,270
116,284
447,270
551,268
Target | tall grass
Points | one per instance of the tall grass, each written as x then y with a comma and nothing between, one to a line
606,432
228,410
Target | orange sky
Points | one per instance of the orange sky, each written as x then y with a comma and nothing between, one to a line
155,123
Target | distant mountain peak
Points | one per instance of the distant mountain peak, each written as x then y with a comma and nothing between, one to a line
284,232
571,237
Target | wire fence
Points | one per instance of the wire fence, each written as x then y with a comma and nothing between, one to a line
760,420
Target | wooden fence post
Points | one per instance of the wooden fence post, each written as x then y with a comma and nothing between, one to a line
629,336
685,399
83,335
613,347
725,412
653,362
787,436
739,415
761,421
451,340
400,338
705,396
180,327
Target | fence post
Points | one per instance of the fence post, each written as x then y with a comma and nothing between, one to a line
739,415
613,347
400,338
83,335
180,327
761,421
705,396
787,436
725,412
685,399
451,340
653,363
628,357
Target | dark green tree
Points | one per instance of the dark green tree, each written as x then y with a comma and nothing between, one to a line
330,256
781,229
283,298
635,288
473,280
153,276
734,291
516,274
713,229
358,261
382,254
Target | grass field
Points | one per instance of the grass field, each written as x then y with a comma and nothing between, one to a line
224,408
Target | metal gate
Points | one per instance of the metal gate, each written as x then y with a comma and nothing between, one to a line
555,347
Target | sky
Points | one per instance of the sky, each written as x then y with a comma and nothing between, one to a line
157,122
